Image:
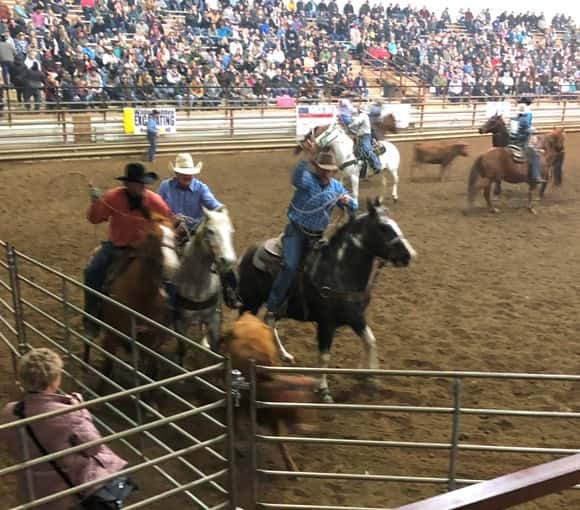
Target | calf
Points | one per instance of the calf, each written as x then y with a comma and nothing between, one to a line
250,339
438,153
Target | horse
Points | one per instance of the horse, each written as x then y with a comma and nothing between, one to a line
334,289
207,254
497,164
137,283
500,138
343,147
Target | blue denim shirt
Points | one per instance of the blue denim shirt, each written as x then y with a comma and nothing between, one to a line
312,202
188,202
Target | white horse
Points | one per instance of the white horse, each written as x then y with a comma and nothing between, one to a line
335,138
209,253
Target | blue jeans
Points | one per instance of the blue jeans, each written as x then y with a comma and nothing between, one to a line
534,165
152,139
6,67
367,150
293,245
95,274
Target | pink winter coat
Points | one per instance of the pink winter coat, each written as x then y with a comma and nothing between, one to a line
56,434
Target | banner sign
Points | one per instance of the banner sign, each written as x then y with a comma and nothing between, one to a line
135,120
494,107
312,115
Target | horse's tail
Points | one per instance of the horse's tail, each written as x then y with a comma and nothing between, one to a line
474,175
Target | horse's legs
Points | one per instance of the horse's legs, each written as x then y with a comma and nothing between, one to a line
213,329
497,189
412,170
530,199
369,358
395,178
325,335
443,171
487,195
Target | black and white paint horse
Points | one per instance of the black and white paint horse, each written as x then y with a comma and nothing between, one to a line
334,289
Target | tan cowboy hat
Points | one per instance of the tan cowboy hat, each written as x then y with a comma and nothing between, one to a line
522,108
326,161
184,165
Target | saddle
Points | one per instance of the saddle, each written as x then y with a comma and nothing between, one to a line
268,256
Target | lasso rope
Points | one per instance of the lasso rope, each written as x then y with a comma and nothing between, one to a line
323,207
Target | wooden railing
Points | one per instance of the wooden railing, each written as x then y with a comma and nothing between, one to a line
508,490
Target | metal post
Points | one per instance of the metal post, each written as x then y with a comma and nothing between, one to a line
16,299
66,318
9,105
138,396
253,434
473,114
231,115
454,434
564,111
232,466
421,115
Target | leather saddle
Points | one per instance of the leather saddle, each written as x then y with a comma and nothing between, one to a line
268,256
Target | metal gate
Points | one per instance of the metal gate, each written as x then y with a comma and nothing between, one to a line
179,453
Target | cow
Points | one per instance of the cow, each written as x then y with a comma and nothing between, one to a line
438,153
250,339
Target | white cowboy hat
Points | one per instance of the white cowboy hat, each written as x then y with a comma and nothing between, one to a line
522,108
184,165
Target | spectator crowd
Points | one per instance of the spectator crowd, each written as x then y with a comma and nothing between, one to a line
192,52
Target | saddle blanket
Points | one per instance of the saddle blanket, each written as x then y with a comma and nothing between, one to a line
518,153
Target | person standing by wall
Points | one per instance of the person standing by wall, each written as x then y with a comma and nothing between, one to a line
152,134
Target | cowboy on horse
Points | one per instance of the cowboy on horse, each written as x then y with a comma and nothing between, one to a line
186,196
362,129
316,195
520,132
128,210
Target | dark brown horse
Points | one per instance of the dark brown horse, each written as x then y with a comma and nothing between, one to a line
138,284
497,164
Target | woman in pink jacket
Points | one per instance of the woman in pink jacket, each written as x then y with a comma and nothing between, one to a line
39,372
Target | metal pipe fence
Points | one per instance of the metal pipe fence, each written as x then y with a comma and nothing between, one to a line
179,452
101,132
457,412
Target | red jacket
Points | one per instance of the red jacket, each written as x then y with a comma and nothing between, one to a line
126,226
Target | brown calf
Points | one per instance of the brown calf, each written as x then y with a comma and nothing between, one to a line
250,339
438,153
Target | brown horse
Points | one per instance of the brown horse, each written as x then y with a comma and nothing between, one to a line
497,164
138,284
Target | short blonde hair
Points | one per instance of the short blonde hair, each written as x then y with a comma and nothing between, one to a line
38,368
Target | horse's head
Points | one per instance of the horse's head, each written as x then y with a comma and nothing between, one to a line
312,138
383,238
555,140
386,124
217,230
463,149
493,125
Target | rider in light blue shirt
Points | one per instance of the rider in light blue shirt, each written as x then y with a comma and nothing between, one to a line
185,196
317,193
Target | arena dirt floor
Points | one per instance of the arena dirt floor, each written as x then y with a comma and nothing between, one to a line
487,293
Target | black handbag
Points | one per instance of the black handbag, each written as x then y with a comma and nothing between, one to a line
109,497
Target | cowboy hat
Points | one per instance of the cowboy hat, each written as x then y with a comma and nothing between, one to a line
184,165
522,108
325,160
136,172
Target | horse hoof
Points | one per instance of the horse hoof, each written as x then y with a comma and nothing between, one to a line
494,210
395,199
532,210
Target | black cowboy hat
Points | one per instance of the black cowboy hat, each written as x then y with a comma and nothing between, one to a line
136,172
